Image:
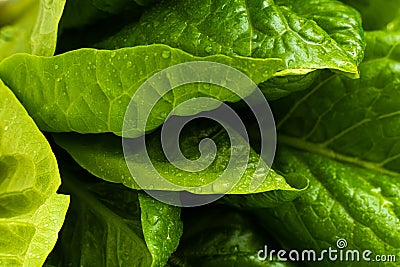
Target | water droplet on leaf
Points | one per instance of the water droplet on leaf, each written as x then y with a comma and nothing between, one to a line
166,54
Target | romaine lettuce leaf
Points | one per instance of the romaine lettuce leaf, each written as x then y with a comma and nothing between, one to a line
342,201
161,226
102,155
348,134
111,225
88,90
31,213
307,35
33,31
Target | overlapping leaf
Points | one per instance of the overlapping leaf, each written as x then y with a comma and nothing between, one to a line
307,36
88,90
32,30
349,130
31,213
110,225
102,155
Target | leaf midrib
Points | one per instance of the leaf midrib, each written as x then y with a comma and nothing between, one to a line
94,203
320,149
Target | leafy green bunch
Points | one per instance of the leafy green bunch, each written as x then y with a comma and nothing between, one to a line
68,70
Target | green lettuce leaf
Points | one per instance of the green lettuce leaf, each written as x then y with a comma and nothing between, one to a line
33,28
342,201
102,155
111,225
88,90
307,36
161,226
31,213
27,239
222,237
348,132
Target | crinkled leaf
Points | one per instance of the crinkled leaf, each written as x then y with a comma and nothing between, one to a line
34,28
102,155
350,132
31,213
88,90
307,35
342,201
111,225
351,120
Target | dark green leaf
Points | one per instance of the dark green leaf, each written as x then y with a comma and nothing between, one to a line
82,12
221,237
161,226
349,130
307,35
110,225
342,201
